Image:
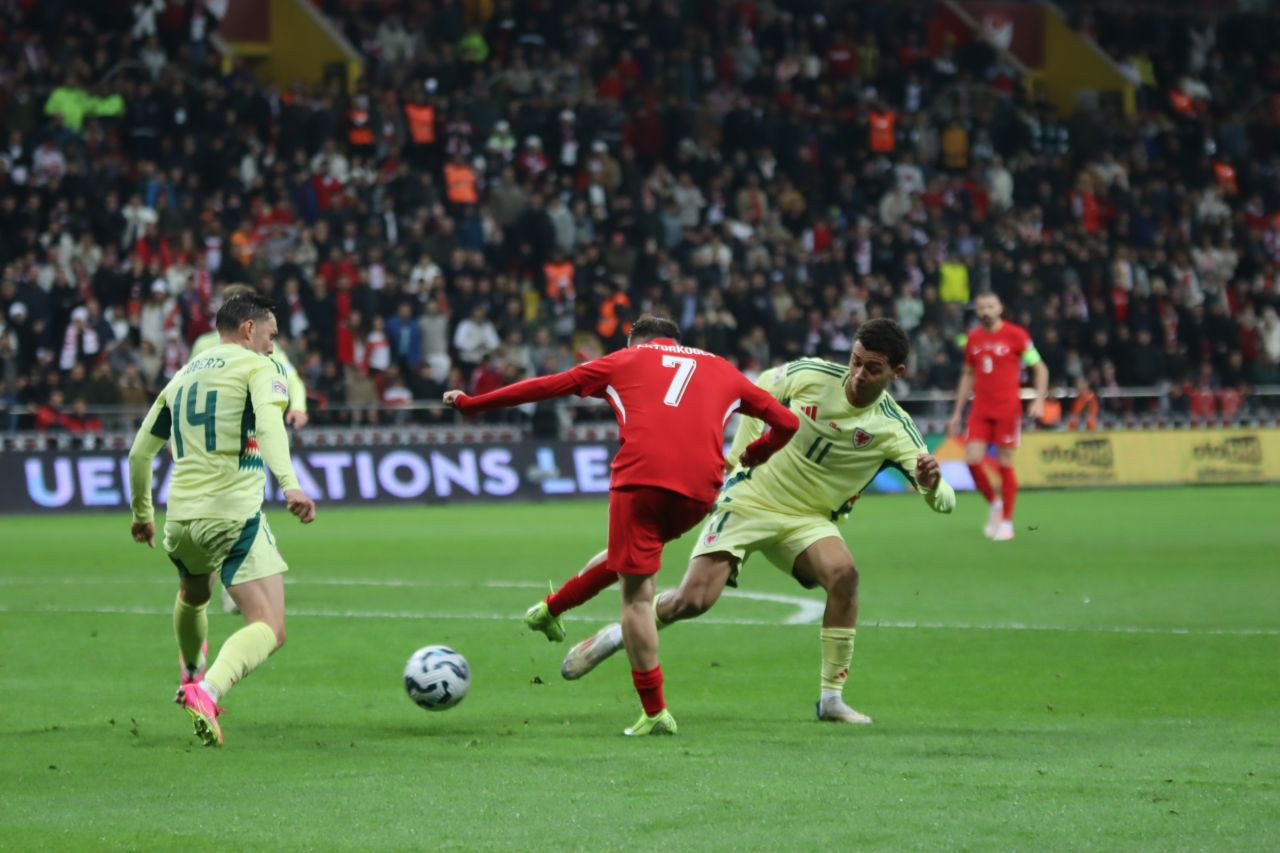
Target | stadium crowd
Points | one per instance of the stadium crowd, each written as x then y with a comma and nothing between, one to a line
509,182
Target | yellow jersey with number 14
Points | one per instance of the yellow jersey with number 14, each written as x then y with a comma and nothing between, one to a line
838,451
211,413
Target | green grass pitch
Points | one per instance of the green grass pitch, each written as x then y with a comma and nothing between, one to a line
1109,680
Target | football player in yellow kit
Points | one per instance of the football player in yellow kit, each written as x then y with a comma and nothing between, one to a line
223,416
787,509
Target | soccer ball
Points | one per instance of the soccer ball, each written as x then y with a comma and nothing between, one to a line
436,677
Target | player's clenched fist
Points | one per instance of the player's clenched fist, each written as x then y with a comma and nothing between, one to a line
451,398
928,471
300,505
145,532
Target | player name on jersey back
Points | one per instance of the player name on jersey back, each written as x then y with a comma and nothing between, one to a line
209,415
672,403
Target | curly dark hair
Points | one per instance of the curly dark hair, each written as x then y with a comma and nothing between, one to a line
887,338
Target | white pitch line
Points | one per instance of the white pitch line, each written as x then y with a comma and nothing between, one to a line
363,614
168,581
712,620
808,610
1082,629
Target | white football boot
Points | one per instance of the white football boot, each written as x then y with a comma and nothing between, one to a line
832,709
588,654
994,516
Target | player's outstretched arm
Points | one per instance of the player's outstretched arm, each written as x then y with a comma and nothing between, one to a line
526,391
783,424
963,390
773,383
151,436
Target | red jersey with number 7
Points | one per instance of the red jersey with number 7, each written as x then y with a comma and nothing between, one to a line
996,360
672,403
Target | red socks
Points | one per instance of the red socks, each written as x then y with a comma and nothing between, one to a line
1008,489
981,483
1008,486
580,588
649,686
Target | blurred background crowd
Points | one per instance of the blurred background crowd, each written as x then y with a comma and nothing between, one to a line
509,183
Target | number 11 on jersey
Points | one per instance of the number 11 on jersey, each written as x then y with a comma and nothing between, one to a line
684,372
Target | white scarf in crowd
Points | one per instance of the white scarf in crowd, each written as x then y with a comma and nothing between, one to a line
70,345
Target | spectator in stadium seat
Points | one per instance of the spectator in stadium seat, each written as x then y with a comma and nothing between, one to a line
101,389
1203,395
80,420
954,280
396,394
130,389
49,417
377,348
488,375
424,384
404,332
1145,360
1084,409
1268,367
361,394
681,188
475,338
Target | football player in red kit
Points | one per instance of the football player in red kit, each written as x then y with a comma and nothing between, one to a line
672,403
994,356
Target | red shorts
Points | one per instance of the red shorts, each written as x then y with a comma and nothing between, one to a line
644,518
1002,431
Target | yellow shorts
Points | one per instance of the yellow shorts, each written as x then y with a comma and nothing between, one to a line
239,551
741,529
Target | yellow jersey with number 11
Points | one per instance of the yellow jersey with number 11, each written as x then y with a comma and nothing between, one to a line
838,451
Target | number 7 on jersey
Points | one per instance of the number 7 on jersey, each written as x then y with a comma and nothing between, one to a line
680,383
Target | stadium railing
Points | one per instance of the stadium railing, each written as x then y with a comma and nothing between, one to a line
430,422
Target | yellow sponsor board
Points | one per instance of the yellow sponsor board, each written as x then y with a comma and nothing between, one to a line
1138,458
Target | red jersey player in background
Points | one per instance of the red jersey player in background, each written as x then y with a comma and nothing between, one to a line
672,403
993,359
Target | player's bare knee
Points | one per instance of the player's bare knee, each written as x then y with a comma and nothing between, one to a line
701,587
842,583
195,599
690,603
280,634
195,593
